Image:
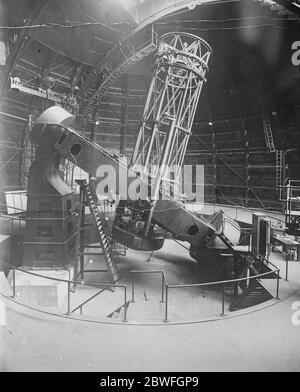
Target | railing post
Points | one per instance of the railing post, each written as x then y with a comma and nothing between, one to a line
69,298
132,293
166,305
14,283
163,289
277,289
223,300
125,304
287,267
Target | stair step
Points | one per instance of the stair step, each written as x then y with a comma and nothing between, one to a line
103,237
118,312
254,295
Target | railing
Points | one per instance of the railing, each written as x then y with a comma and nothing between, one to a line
10,219
70,283
242,230
221,283
287,258
165,288
8,207
239,209
163,282
106,286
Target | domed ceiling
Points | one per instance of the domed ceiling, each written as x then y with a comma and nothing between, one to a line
251,76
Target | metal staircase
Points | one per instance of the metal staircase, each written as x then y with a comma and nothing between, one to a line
279,154
254,295
226,241
268,132
279,169
118,313
102,229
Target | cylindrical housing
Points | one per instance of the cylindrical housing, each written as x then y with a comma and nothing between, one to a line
179,73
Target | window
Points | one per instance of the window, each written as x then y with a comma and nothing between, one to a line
75,149
61,140
193,230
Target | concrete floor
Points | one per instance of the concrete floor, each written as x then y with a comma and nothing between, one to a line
262,341
262,338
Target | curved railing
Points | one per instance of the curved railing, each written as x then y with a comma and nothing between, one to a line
246,232
70,284
221,284
165,288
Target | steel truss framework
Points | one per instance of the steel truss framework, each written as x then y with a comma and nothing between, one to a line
109,70
179,74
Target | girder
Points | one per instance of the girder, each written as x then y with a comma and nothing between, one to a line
114,65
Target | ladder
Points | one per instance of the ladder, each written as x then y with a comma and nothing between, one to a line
102,229
268,132
279,169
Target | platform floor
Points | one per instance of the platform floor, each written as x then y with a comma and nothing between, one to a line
264,338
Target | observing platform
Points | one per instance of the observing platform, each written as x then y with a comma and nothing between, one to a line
194,320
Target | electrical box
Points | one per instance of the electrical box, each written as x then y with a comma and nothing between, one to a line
261,236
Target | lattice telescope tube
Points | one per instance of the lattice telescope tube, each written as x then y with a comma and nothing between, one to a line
179,74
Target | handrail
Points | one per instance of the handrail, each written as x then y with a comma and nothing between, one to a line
12,208
11,217
69,283
85,302
101,291
165,286
173,286
163,283
286,259
220,283
238,208
268,262
239,228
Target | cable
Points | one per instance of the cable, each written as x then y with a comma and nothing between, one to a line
227,20
72,24
66,24
235,28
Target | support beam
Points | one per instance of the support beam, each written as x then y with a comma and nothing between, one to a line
114,65
19,46
231,169
124,113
